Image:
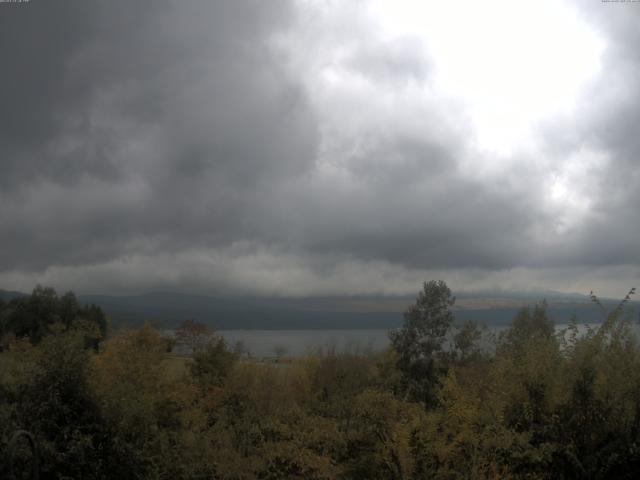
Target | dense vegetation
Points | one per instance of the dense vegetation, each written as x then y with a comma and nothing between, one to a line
445,401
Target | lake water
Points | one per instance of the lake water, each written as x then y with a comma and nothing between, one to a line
265,343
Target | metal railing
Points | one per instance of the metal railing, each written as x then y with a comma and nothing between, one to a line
12,450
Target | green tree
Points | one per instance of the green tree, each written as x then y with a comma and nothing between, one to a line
380,437
466,341
33,316
419,343
194,335
212,363
528,325
145,411
54,402
39,314
3,305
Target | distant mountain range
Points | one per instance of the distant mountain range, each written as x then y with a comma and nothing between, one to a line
167,309
7,295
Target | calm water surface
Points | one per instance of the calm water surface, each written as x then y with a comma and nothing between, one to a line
269,343
265,343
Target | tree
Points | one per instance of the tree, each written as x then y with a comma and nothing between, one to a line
420,340
381,444
55,404
2,308
467,341
212,363
527,326
240,349
194,335
141,406
39,314
33,316
279,351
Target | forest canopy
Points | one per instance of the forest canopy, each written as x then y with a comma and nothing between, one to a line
446,400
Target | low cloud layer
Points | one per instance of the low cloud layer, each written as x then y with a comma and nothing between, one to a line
299,148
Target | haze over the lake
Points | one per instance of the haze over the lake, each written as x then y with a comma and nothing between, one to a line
312,147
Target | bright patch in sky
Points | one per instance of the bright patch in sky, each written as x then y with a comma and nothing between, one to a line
573,187
511,62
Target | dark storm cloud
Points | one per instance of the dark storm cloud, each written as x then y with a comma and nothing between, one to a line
227,146
152,119
429,216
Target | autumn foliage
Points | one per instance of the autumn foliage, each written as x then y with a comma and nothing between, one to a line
445,401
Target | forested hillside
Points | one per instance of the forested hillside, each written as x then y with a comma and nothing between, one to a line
445,401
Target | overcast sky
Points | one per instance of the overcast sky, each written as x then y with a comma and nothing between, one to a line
314,147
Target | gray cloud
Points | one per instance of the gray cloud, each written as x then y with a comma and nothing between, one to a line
157,120
281,148
606,122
